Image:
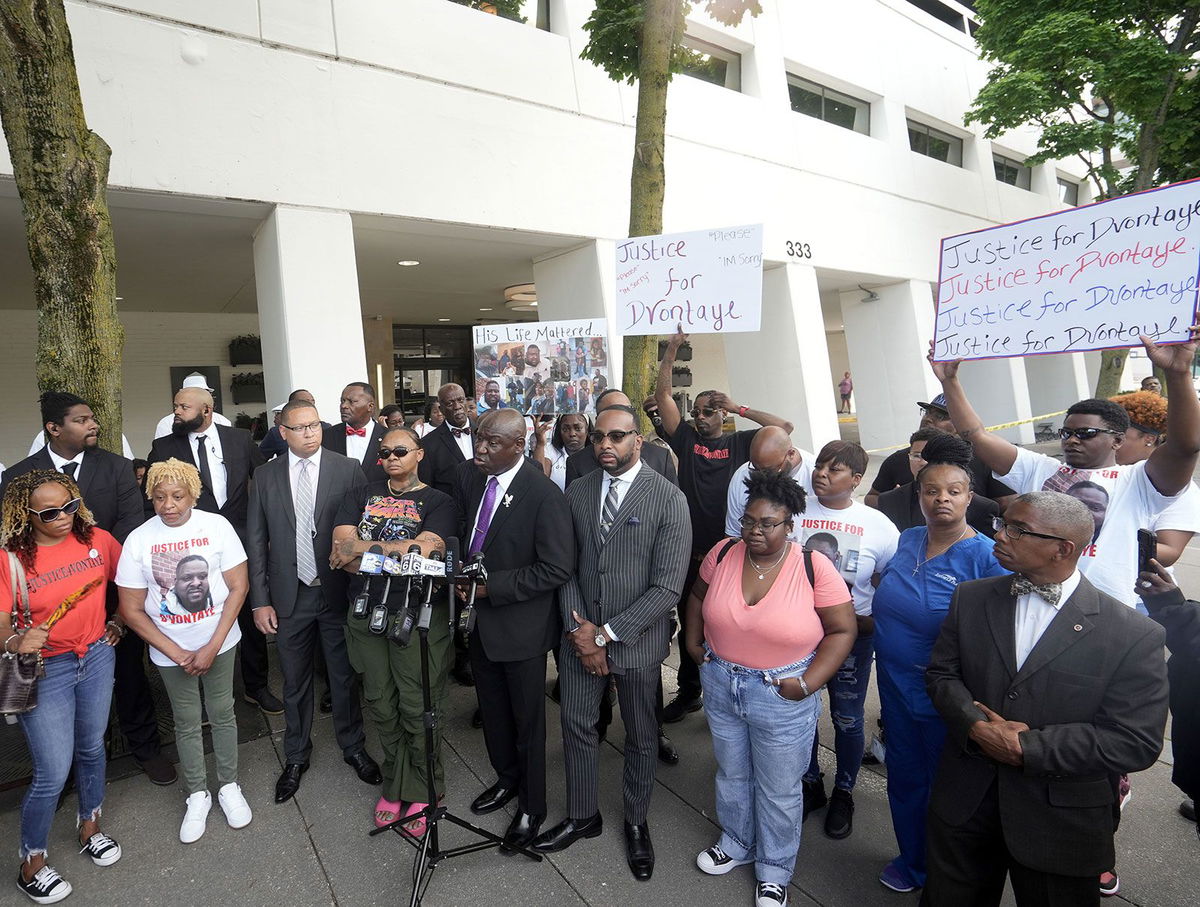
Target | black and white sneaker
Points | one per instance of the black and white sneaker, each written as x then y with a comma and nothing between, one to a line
103,850
716,862
768,894
46,886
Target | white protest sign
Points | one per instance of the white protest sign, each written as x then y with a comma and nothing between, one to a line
710,281
1087,278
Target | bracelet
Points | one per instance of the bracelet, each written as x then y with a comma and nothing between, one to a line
116,628
742,410
804,686
7,641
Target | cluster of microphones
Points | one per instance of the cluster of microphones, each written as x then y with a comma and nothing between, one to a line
414,607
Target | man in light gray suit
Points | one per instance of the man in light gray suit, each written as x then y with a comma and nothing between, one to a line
633,537
295,593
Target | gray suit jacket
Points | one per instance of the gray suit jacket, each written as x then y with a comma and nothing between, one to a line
635,577
271,531
1094,694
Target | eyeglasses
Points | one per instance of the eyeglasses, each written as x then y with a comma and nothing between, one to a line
750,525
386,453
310,429
917,456
706,412
1015,532
616,437
1085,434
50,514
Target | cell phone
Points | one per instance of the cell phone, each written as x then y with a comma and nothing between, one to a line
1147,543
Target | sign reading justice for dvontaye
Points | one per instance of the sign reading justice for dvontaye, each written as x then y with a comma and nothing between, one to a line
1088,278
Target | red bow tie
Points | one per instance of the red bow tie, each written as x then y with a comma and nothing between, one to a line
361,432
459,432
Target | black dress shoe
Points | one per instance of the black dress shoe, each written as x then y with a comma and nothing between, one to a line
477,719
680,706
521,832
267,701
639,851
326,703
159,769
667,753
567,832
365,767
492,799
289,781
462,674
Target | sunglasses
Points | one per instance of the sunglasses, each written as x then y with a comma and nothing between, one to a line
615,436
1085,434
50,514
386,453
706,412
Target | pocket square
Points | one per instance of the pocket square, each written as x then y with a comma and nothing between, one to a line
633,521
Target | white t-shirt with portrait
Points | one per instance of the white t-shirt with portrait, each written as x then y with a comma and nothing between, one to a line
1122,500
858,539
182,570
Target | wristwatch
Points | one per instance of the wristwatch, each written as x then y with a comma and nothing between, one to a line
601,640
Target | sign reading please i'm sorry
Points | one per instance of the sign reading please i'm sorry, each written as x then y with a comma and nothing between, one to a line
708,281
1086,278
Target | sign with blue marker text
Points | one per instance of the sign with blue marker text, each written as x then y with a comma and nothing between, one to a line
1089,278
709,281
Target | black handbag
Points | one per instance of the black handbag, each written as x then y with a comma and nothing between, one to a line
19,672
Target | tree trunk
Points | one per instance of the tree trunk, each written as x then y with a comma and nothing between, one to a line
61,171
648,180
1112,367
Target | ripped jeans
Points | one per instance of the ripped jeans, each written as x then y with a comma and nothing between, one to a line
847,692
66,726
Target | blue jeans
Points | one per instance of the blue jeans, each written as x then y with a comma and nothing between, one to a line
761,742
847,701
67,725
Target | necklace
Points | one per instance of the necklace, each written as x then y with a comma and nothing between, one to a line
413,486
921,564
763,571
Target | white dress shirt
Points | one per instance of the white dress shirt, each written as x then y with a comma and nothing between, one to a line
624,481
503,480
1034,614
314,474
59,462
356,445
466,443
216,460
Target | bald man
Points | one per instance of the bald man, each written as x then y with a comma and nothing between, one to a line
1050,689
771,448
226,458
584,461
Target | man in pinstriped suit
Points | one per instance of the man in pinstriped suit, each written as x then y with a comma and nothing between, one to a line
633,537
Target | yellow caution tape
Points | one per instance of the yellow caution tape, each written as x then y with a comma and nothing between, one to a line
1000,427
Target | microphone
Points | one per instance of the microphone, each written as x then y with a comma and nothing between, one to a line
476,572
400,631
427,601
451,570
370,566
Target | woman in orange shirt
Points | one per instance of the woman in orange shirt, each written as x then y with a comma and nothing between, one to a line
767,638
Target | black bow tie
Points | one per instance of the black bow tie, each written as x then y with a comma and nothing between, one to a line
459,432
1051,592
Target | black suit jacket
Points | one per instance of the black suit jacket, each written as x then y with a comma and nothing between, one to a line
1093,692
439,466
529,552
271,532
902,507
583,461
334,438
107,484
242,457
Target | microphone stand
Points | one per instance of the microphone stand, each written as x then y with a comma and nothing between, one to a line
428,845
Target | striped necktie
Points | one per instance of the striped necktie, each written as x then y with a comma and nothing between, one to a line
306,560
610,509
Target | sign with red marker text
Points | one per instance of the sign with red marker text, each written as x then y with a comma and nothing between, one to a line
709,281
1089,278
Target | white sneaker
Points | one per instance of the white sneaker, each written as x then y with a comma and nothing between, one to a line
196,817
716,862
768,894
237,810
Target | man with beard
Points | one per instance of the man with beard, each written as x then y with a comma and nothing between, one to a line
535,369
491,398
163,428
191,593
226,458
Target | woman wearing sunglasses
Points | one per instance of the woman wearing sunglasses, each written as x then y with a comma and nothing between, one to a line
61,552
397,513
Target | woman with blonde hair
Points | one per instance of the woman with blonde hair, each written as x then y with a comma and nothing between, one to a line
57,562
182,580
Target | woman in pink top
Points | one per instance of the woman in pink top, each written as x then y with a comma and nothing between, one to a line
766,639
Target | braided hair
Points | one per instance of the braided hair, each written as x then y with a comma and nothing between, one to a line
948,450
16,522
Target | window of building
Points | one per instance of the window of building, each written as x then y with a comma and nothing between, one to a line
951,13
1068,192
934,143
814,100
428,357
702,60
1012,172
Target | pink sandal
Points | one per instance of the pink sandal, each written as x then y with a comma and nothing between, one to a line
392,808
416,827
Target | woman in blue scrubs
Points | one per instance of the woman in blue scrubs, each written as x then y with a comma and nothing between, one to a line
909,606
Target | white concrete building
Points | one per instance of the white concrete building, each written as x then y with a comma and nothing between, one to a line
274,160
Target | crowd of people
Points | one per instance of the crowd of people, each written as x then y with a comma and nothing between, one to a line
1016,631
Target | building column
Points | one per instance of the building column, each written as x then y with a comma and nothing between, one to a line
581,283
308,306
887,339
999,391
1055,382
783,368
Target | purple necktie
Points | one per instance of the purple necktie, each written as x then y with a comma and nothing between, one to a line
485,516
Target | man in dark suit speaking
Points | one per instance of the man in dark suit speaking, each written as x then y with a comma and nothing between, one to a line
633,536
1050,689
518,519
